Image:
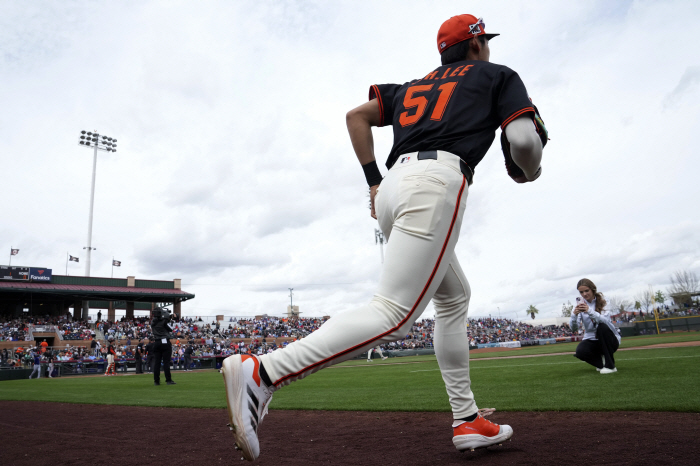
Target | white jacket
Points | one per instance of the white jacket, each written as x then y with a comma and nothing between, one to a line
590,321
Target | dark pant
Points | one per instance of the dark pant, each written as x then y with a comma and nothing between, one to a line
188,362
139,365
590,351
149,362
162,352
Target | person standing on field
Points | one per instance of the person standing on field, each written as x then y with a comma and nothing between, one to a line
162,348
149,356
443,125
188,356
50,356
36,358
138,358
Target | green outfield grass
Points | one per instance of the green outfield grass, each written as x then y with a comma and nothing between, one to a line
647,380
628,342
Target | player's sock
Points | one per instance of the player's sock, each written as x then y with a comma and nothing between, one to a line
263,375
469,418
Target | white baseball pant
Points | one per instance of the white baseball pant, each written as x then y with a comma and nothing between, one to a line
419,205
377,349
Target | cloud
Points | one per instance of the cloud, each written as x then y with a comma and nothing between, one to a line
235,173
689,82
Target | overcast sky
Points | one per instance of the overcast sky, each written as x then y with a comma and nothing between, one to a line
234,171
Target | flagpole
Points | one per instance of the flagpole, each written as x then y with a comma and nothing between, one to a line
66,263
112,266
10,255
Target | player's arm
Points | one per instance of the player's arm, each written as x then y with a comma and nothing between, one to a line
360,121
525,146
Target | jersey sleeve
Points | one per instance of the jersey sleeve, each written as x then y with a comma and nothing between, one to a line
513,100
384,93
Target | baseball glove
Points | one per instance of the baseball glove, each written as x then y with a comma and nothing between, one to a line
515,171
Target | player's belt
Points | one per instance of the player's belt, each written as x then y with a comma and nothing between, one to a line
464,168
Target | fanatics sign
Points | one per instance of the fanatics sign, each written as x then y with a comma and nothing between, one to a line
25,274
40,274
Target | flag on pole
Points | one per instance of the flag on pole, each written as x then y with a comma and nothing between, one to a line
14,252
116,263
74,259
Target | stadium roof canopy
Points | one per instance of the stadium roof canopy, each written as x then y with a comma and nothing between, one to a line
64,291
101,293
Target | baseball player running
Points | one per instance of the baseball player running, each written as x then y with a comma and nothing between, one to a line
377,349
443,125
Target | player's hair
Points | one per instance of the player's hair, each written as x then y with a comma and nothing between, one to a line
458,52
600,301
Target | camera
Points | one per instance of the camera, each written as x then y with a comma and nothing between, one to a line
161,312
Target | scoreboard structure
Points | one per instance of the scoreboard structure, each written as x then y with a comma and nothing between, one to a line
14,273
25,274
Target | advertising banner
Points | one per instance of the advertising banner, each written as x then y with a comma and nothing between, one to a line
37,274
509,344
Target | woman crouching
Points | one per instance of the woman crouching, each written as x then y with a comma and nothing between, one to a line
601,338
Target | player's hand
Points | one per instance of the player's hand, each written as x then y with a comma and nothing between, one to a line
372,193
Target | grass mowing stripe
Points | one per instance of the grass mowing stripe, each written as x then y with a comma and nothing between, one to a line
567,362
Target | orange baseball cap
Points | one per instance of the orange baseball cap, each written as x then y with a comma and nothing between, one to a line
460,28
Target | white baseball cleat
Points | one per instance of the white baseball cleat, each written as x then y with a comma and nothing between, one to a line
247,398
605,370
479,433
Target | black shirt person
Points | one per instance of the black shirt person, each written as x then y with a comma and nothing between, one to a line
162,348
188,356
138,358
149,356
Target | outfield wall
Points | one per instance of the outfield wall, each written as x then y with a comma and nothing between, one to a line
668,325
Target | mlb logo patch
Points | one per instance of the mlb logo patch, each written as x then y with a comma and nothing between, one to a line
405,159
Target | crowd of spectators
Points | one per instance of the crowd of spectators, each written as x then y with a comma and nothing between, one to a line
18,329
255,335
663,312
14,330
490,330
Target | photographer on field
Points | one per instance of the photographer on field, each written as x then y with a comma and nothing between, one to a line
600,339
162,348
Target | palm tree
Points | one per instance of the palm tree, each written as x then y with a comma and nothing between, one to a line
533,311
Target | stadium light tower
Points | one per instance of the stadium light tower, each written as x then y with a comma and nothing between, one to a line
379,239
97,142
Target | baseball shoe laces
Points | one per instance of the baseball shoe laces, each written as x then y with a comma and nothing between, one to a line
479,433
247,398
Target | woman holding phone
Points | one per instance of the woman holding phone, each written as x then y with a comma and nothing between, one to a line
601,338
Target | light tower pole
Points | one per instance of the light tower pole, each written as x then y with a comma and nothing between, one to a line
107,144
379,239
97,142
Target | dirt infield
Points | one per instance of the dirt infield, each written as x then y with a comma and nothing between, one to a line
37,434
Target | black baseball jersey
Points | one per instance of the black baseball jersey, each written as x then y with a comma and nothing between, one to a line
456,108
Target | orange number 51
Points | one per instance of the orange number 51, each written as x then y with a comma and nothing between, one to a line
421,102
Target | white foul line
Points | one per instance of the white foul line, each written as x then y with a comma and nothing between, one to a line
557,363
